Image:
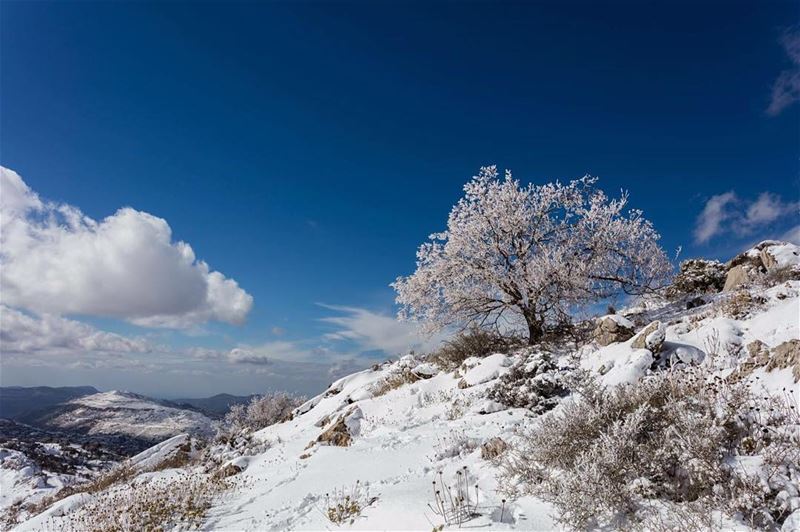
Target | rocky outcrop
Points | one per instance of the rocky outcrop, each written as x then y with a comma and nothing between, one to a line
612,328
765,257
786,355
698,276
341,432
650,338
737,276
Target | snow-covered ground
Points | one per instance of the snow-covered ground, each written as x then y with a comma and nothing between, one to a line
129,414
407,438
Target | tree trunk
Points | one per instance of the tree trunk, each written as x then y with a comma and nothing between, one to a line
535,327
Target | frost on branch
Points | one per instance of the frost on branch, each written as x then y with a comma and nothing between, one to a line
534,253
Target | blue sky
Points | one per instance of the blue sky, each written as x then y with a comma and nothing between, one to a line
305,150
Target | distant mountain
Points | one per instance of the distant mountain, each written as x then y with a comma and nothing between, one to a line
215,406
22,404
125,414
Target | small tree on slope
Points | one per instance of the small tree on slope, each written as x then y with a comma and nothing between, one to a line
536,253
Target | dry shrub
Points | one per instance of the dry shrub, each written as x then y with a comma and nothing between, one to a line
740,304
475,342
396,379
604,458
179,502
344,505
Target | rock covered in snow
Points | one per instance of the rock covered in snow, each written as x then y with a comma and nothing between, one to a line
764,257
698,276
425,370
650,338
612,328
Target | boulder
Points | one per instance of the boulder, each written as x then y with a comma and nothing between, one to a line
757,350
737,276
493,448
612,328
341,432
650,338
786,355
779,254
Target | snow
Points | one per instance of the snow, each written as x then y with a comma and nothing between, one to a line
619,319
402,440
132,415
155,455
486,369
785,254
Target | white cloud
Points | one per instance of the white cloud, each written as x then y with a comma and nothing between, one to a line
792,235
786,89
768,208
726,213
53,335
57,260
373,331
709,223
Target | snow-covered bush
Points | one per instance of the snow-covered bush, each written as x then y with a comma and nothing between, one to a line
535,383
698,276
260,412
674,437
475,342
454,444
514,254
344,505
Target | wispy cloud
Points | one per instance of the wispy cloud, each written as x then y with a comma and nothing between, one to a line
56,260
786,89
727,213
372,331
715,212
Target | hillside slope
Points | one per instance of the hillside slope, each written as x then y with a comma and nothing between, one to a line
390,437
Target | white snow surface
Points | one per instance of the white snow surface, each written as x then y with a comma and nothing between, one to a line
131,414
402,439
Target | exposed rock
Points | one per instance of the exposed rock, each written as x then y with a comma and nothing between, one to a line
695,302
786,355
737,276
757,350
336,435
341,432
779,255
493,448
462,384
612,328
228,471
650,338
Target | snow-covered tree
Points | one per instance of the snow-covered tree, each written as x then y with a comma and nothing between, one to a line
538,252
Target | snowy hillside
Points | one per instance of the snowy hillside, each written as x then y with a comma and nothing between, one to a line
414,444
129,414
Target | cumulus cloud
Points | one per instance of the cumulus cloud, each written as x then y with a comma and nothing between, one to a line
727,213
373,331
53,335
56,260
786,89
